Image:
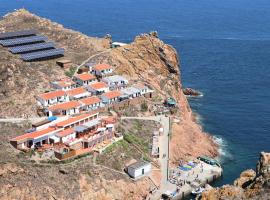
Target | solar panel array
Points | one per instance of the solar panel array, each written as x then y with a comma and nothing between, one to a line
24,40
30,45
42,54
10,35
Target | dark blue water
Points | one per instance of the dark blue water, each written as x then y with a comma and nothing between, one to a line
224,48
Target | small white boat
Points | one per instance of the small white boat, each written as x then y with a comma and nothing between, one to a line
197,191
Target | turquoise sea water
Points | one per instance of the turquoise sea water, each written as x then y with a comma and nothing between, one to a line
224,48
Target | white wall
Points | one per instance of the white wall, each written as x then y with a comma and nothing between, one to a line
68,137
135,173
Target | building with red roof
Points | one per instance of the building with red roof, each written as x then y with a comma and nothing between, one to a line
90,103
77,93
51,98
63,84
102,70
110,97
67,108
84,79
98,88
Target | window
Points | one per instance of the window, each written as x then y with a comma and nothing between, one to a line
142,171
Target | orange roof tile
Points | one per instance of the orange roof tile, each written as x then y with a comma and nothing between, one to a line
90,100
102,67
112,94
85,77
65,132
73,120
34,134
76,91
64,106
98,85
51,95
65,83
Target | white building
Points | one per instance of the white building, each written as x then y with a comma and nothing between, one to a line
67,108
110,97
84,79
102,70
118,44
51,98
139,169
65,135
98,88
78,93
131,92
116,81
65,84
90,103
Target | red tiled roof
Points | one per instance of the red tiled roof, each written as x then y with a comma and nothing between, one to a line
98,85
65,132
34,134
112,94
76,91
102,67
90,100
64,106
85,77
51,95
73,120
65,83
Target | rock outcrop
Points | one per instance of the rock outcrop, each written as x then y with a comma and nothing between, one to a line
191,92
250,184
147,59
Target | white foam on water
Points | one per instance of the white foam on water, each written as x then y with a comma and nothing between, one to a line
223,151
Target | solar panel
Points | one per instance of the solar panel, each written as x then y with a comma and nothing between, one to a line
31,47
9,35
24,40
42,54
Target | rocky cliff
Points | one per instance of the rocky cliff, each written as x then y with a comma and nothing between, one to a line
147,59
250,185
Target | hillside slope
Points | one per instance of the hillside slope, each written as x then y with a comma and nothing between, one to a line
147,59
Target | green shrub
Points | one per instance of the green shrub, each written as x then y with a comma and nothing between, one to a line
144,107
71,72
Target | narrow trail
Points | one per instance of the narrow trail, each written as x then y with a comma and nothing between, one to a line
88,59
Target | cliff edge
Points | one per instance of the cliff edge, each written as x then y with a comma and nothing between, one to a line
147,59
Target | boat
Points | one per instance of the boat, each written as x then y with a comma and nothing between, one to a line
197,191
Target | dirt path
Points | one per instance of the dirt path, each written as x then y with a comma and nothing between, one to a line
164,151
88,59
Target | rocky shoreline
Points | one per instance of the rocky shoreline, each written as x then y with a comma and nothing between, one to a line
252,184
21,81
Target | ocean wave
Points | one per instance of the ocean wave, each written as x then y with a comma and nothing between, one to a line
223,150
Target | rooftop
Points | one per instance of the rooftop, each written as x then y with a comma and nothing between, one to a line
130,90
140,86
63,61
115,78
75,119
64,82
98,85
102,67
112,94
65,132
34,134
76,91
52,95
64,106
90,100
85,77
138,164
